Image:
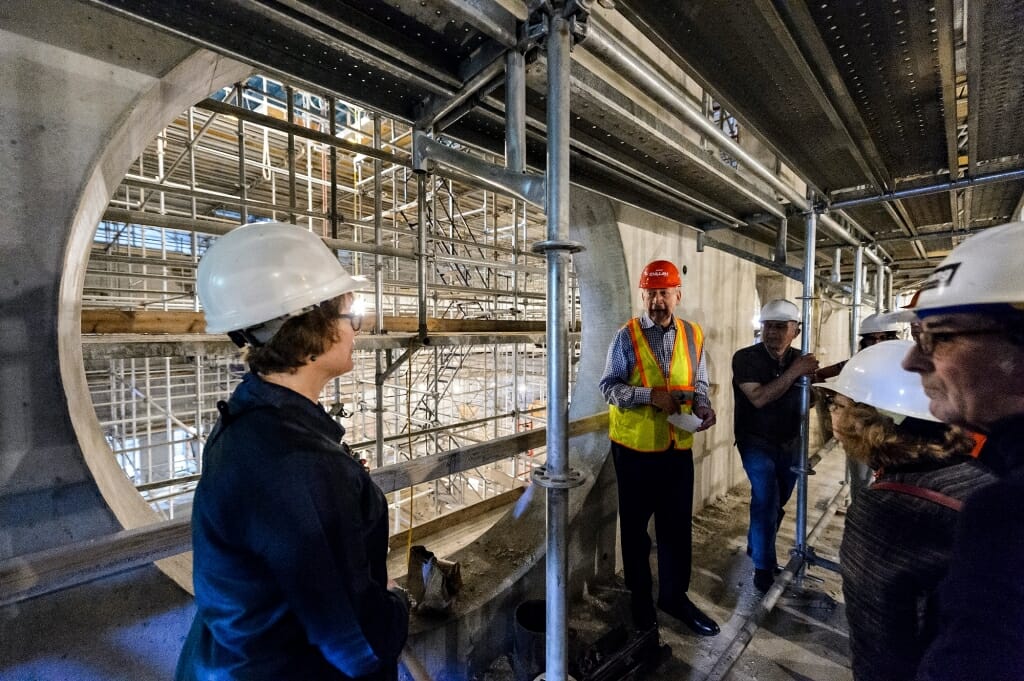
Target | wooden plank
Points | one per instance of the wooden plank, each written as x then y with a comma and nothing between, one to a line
455,517
408,473
142,321
40,573
185,321
44,572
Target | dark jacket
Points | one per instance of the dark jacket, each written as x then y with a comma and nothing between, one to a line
896,549
981,629
289,536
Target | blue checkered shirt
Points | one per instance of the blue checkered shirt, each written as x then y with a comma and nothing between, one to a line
621,359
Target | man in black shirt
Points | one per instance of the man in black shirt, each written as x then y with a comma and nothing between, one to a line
767,427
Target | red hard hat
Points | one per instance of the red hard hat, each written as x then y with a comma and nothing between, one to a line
659,274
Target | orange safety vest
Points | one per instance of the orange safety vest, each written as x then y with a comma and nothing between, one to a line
645,428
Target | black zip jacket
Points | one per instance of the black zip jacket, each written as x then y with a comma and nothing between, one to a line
981,601
290,537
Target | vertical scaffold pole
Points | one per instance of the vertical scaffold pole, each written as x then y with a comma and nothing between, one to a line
811,225
556,476
558,351
858,289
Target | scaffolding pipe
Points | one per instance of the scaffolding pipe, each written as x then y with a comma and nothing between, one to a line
810,234
378,295
557,468
515,113
888,289
292,203
1002,176
243,193
624,62
431,117
515,160
421,251
332,107
781,237
858,289
879,288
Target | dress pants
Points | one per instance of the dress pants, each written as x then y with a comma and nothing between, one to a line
658,484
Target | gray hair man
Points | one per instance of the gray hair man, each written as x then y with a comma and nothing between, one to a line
970,356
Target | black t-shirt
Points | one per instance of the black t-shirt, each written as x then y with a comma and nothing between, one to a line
778,421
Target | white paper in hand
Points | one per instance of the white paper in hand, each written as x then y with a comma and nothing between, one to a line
687,422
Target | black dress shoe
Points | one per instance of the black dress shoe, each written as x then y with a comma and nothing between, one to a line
643,614
690,615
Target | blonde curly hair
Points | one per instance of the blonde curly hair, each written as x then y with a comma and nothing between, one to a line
871,437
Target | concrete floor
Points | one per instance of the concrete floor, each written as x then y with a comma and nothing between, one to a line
804,637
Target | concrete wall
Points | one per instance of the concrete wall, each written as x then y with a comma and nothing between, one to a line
721,293
72,77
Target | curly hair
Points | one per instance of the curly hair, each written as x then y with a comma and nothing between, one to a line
298,339
873,438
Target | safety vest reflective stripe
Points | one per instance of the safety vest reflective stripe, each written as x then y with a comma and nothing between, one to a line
646,428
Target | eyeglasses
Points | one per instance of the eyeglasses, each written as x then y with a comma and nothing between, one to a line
356,320
927,340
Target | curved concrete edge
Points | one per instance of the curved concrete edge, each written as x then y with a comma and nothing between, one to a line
506,565
193,79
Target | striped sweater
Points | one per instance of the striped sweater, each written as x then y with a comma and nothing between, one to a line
895,550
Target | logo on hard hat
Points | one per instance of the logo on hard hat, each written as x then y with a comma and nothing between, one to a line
941,277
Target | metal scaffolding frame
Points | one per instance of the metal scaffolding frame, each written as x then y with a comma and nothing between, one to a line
443,229
259,150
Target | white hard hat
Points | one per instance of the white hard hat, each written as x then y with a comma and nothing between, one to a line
780,311
266,271
986,269
875,376
879,322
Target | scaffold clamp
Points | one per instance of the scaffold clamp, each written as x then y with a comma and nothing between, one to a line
556,245
541,478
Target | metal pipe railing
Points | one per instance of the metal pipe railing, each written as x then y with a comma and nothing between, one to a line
557,467
810,233
858,287
991,178
37,574
644,76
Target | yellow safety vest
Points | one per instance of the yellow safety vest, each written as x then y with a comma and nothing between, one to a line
646,428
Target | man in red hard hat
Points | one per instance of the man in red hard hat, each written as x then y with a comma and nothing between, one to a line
655,371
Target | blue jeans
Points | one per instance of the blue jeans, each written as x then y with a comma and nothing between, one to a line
769,469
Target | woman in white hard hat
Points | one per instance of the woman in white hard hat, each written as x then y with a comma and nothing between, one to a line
876,328
899,531
289,532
